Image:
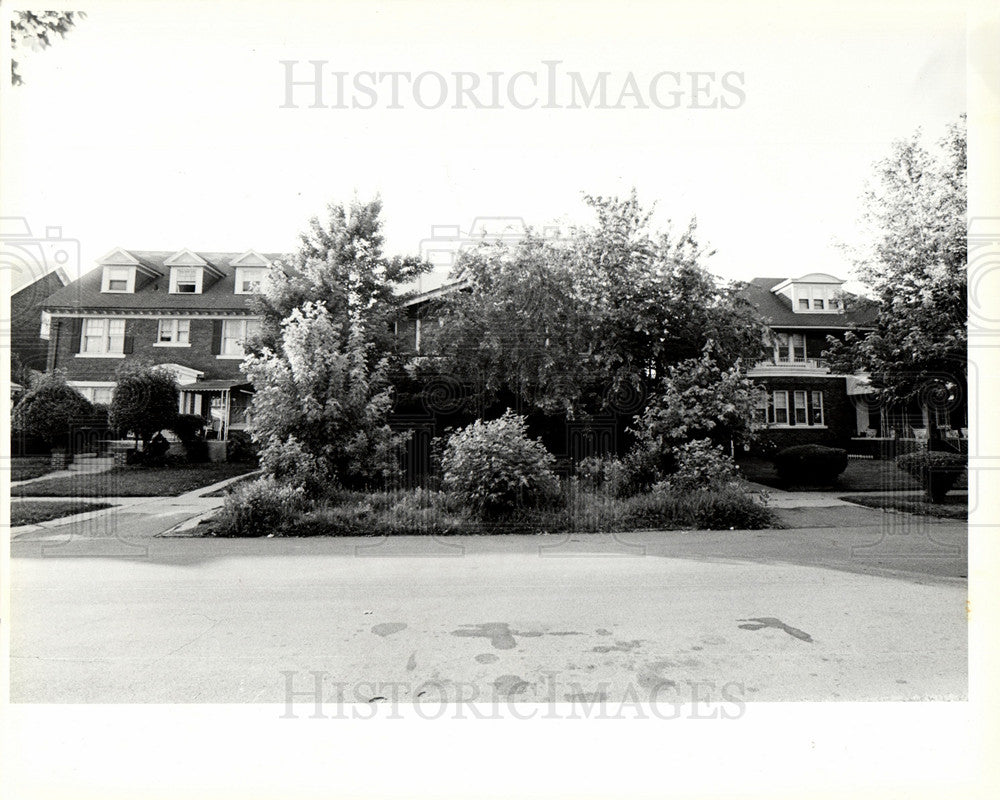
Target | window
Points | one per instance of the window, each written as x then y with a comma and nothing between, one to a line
118,280
816,409
235,332
801,411
249,279
804,304
818,304
174,332
780,408
185,280
761,413
103,337
97,394
834,304
789,348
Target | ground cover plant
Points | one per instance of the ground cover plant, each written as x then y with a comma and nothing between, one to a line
951,507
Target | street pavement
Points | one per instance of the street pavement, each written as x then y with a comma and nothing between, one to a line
852,604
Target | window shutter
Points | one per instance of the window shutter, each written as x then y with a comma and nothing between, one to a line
76,333
128,344
216,337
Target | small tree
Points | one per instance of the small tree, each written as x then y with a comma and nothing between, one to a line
697,399
320,410
49,410
144,401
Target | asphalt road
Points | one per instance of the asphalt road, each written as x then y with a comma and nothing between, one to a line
870,612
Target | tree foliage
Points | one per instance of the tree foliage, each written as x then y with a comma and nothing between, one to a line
697,399
144,401
320,409
582,322
915,261
35,30
340,265
50,410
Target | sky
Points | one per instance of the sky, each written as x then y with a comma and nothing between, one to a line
160,126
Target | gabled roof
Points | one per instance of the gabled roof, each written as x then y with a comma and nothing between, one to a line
84,294
21,279
777,309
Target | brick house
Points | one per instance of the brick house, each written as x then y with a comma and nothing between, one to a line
187,311
27,342
805,402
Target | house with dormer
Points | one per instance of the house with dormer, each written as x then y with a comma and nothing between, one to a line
188,311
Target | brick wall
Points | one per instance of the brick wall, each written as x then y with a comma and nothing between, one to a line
26,321
838,412
64,344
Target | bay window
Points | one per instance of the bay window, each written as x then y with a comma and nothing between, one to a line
789,408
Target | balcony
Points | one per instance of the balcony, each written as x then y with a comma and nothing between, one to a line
786,366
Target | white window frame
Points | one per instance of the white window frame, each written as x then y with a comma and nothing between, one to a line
787,344
177,328
812,408
100,328
232,342
775,408
803,304
115,272
90,389
800,408
241,279
199,276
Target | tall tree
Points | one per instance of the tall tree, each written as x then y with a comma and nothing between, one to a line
340,265
35,30
914,259
585,321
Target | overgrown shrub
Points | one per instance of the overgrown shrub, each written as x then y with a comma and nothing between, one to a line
188,427
713,509
50,410
810,464
494,467
937,471
144,401
241,448
701,466
292,464
259,508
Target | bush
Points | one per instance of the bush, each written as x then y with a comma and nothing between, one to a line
259,508
144,401
810,464
937,471
50,410
290,463
493,467
701,466
241,448
188,427
713,509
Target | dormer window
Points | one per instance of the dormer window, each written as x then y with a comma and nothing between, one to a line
816,292
185,280
818,304
249,279
803,303
118,280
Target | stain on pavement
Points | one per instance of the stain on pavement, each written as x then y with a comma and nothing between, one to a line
757,623
388,628
510,684
499,634
587,697
412,663
619,647
487,658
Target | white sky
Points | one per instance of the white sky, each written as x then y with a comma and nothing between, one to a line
157,126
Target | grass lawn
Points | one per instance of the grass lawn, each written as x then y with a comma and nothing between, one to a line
135,481
861,475
31,512
953,507
24,468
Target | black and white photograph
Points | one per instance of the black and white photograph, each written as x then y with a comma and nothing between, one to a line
499,399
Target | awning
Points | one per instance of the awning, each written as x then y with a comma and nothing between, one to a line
858,384
219,385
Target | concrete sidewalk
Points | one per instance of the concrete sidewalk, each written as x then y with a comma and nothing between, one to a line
128,517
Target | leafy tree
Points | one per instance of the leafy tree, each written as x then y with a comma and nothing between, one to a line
144,401
49,410
575,323
915,263
35,29
320,409
697,400
340,266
